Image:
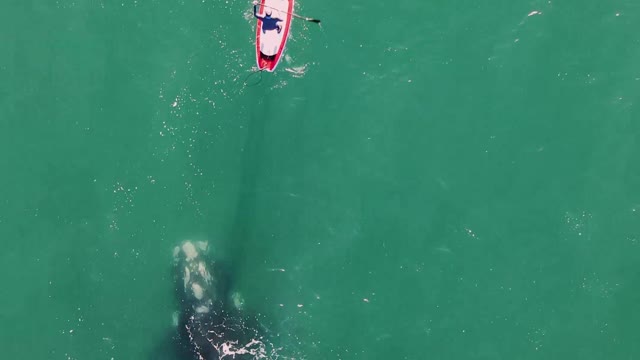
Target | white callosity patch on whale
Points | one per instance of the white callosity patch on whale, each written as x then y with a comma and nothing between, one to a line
202,245
202,269
202,309
189,250
187,276
198,292
238,300
199,283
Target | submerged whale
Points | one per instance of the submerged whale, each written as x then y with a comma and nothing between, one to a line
210,323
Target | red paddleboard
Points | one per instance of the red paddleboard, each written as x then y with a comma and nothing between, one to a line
270,44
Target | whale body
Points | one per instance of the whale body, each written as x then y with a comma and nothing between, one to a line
210,324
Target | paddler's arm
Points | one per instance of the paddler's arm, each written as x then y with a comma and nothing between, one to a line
255,10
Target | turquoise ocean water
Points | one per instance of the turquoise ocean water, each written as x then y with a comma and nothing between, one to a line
440,180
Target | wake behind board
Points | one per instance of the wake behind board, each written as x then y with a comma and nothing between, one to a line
270,44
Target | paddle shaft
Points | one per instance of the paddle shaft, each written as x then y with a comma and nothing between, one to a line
295,15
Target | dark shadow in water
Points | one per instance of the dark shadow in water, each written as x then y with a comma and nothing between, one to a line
242,229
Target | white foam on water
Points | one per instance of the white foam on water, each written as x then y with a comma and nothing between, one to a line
230,349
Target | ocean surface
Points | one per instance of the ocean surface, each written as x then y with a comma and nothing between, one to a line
416,180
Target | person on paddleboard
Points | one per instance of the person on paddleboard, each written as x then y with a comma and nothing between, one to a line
268,22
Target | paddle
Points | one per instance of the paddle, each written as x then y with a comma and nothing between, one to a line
317,21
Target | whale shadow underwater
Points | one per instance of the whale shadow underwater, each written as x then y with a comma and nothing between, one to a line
210,323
